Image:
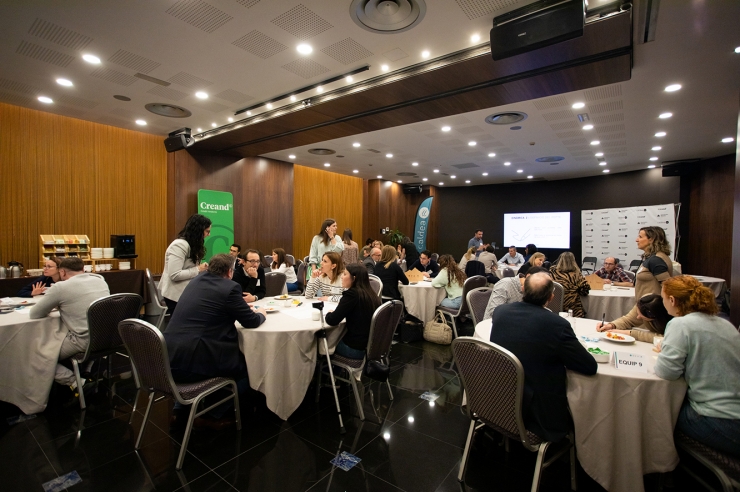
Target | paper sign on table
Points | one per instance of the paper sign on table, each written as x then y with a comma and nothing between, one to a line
595,282
630,362
414,275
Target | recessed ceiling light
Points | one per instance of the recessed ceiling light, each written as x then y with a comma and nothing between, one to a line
588,127
201,95
424,179
602,163
475,38
64,82
728,140
355,171
453,176
214,125
605,171
326,164
520,170
292,98
141,122
198,130
380,177
673,88
399,181
249,113
578,105
737,50
268,106
656,148
291,156
507,163
485,174
425,54
91,59
651,166
384,68
304,49
660,134
231,120
436,170
665,116
356,144
349,78
492,154
389,155
653,158
46,100
472,143
446,128
319,89
599,154
595,142
441,183
414,163
530,177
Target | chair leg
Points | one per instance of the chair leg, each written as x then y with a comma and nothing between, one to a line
236,406
538,466
188,430
146,418
356,391
390,393
454,326
78,378
466,452
342,430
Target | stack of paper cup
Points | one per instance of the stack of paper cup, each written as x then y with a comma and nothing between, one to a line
108,252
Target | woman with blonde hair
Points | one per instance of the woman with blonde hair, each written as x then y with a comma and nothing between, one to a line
378,244
469,255
566,272
50,277
388,271
705,350
281,263
537,259
326,281
452,279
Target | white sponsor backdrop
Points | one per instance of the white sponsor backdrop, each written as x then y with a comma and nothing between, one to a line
612,231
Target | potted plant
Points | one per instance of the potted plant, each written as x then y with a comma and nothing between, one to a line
394,237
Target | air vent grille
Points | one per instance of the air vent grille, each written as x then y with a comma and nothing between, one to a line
606,107
167,93
199,14
113,76
76,101
558,115
233,96
44,54
603,93
306,68
467,165
259,44
59,35
478,8
301,22
550,103
191,81
12,85
347,51
133,61
248,3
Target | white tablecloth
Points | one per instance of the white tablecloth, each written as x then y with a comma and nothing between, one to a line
500,270
421,300
718,285
624,421
281,354
615,302
29,350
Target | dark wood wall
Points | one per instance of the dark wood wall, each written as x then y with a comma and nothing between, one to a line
262,189
465,209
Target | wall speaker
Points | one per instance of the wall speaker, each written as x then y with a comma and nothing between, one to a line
411,189
178,142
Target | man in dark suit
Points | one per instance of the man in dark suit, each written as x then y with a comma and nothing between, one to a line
425,264
546,346
201,337
371,260
251,276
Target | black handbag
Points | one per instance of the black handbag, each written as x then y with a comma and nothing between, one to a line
377,370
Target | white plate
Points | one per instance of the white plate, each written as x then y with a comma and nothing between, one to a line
627,338
14,305
282,297
271,310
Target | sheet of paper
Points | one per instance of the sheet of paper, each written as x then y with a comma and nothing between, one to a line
630,362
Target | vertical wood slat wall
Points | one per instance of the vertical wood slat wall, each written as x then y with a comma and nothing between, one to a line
62,175
319,194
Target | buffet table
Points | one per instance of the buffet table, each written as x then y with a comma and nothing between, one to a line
119,282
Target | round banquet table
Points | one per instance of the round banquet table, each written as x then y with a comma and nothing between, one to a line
281,354
29,350
421,300
717,285
623,420
615,302
500,270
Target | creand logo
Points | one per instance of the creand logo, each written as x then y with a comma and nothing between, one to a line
623,228
589,240
214,206
424,212
640,216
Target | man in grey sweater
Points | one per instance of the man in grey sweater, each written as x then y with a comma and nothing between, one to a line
73,295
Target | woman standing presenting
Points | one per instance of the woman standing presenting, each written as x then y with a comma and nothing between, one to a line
182,260
566,273
323,242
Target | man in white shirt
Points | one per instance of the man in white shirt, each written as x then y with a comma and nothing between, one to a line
73,295
512,258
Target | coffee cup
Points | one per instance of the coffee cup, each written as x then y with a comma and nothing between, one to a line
288,303
607,286
88,268
315,315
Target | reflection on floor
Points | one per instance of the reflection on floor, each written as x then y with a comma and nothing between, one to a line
408,444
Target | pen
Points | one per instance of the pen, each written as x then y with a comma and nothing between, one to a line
603,319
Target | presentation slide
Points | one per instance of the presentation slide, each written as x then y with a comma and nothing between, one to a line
544,230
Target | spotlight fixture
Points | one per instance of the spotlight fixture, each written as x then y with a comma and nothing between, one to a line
384,68
588,127
605,171
520,171
530,177
414,163
349,79
728,140
599,154
319,89
389,155
356,144
665,116
475,38
472,143
355,171
64,82
201,95
441,183
673,88
424,179
660,134
653,158
656,148
484,174
602,163
446,128
326,164
453,177
399,181
595,142
91,59
249,113
213,125
436,170
292,98
507,163
198,130
380,177
45,100
578,105
304,49
737,50
291,156
651,166
467,181
141,122
425,54
230,119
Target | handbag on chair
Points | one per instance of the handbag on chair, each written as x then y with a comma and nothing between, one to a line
438,331
376,370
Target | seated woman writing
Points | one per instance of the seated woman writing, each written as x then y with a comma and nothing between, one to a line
357,306
49,278
652,315
326,281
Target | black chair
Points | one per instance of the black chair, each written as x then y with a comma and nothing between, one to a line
556,304
478,301
451,313
148,352
103,317
635,265
376,284
589,264
493,379
725,468
473,268
435,256
301,274
631,275
274,284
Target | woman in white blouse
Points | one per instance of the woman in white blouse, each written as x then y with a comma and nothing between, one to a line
281,263
182,260
326,281
326,240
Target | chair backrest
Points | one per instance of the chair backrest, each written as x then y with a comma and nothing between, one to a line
589,263
435,256
509,272
267,260
148,351
290,258
474,267
382,327
274,283
470,284
635,265
154,295
477,300
305,259
493,379
301,276
630,274
103,317
556,304
376,283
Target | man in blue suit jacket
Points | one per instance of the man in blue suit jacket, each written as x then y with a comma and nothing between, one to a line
546,346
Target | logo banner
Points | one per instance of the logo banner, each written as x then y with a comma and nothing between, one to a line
422,224
219,207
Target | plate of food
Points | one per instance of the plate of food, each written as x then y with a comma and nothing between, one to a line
598,354
271,309
617,337
282,297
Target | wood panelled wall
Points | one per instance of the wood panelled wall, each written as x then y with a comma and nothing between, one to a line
388,206
262,189
61,175
319,195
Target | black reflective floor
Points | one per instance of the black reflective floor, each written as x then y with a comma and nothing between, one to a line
406,444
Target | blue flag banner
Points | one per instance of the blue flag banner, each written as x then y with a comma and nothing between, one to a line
422,224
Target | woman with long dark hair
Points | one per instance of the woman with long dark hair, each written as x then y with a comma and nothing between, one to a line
351,251
705,350
324,242
182,260
281,263
389,273
451,278
357,306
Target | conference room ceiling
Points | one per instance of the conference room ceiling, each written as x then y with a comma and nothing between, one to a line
242,52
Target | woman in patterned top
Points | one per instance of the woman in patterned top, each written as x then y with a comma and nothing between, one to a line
326,281
566,272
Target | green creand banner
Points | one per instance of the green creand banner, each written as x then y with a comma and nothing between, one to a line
219,207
